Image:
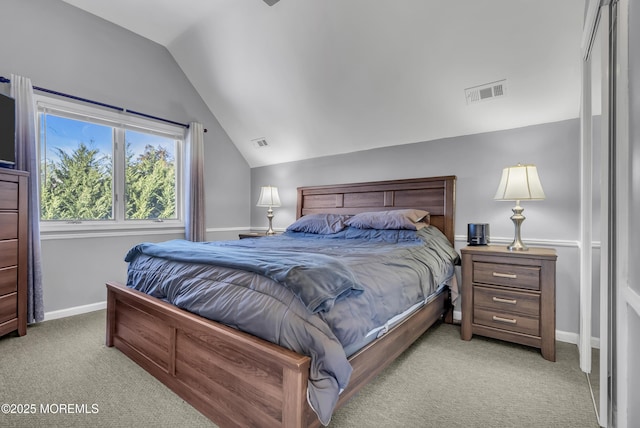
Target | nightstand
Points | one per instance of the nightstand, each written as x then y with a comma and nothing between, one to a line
254,235
510,295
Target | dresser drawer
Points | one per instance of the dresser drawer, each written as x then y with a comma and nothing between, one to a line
8,280
501,300
8,253
508,275
8,225
507,321
8,195
8,307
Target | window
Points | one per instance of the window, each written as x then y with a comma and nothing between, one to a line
104,168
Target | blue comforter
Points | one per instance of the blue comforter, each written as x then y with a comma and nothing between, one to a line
317,279
318,295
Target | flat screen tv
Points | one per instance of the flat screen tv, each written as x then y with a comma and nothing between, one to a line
7,131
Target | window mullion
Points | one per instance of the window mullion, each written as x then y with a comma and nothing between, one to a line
119,149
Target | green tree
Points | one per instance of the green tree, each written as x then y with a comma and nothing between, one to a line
77,186
150,184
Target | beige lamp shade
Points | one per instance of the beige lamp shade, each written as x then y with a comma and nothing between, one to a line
268,197
520,183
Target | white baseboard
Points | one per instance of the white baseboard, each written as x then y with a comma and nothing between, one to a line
565,336
562,336
77,310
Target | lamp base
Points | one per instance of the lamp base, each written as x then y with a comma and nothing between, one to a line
270,231
517,246
517,219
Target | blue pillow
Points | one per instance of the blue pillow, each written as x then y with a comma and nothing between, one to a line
411,219
323,224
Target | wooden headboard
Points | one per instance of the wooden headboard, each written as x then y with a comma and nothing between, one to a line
433,194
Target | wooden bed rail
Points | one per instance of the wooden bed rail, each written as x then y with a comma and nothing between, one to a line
374,358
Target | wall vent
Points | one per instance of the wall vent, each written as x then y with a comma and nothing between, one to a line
259,143
486,92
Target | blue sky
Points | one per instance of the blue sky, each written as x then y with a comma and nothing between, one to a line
67,134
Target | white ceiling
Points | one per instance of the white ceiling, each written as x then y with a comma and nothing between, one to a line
322,77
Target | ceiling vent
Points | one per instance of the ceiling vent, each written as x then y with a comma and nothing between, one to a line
259,143
486,92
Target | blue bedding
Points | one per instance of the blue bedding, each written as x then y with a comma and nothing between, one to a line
317,279
319,295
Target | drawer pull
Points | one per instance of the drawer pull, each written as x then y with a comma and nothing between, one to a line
507,320
501,300
505,275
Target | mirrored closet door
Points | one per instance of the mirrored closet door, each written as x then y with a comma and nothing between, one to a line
595,278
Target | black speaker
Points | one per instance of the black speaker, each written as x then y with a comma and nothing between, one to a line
478,234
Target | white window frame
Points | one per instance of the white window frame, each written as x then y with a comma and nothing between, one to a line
120,121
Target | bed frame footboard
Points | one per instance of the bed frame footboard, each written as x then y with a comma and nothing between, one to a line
233,378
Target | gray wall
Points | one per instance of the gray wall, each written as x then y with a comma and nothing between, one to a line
65,49
477,161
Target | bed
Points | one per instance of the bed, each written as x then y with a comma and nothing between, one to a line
238,379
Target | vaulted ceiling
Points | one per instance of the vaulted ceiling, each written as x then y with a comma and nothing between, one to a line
322,77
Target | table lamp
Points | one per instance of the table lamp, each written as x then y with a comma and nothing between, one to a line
269,198
519,183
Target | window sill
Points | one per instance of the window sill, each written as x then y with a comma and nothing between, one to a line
94,229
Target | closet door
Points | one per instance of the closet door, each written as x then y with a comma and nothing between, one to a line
595,206
627,209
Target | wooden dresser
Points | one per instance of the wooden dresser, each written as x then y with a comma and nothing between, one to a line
13,251
510,295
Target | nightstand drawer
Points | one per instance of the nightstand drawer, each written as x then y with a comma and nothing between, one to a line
507,321
498,300
8,307
508,275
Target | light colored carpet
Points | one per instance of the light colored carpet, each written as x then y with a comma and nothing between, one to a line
441,381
